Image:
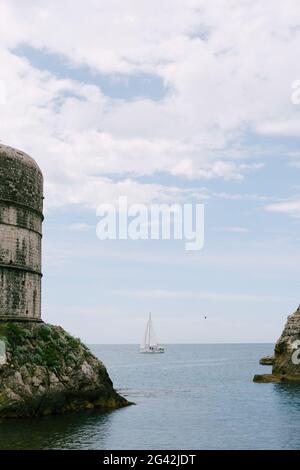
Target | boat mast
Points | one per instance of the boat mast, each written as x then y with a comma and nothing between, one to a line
149,329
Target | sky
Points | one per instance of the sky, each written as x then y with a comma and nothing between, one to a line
176,101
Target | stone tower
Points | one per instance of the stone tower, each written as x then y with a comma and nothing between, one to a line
21,217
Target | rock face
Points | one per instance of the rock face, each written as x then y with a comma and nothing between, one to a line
267,361
43,370
286,361
47,371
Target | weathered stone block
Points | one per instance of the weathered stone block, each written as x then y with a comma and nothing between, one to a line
21,206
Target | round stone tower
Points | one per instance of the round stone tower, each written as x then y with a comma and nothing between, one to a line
21,217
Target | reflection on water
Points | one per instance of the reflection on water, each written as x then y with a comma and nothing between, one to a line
56,432
288,394
287,397
193,396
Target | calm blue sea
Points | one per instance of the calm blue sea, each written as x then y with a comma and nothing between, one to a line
191,397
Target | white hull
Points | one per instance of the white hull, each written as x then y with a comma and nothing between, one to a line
149,351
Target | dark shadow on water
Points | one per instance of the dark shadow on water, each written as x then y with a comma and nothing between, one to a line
70,431
288,394
287,397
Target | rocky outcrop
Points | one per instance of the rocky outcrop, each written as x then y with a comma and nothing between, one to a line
47,371
267,378
286,361
267,361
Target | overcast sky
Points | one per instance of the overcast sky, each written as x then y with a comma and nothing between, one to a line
174,101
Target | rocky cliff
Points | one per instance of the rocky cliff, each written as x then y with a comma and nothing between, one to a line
286,360
45,371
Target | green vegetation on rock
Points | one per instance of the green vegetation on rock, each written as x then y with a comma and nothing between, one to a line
48,371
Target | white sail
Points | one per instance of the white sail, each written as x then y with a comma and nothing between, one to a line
150,343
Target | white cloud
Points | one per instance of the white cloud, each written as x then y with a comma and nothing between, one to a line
291,208
190,295
233,229
79,227
228,65
283,127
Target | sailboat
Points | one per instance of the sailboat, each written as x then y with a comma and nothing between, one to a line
150,344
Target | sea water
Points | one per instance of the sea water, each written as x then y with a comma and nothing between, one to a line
191,397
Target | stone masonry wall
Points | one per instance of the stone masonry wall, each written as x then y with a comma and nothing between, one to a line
20,294
21,202
21,180
20,247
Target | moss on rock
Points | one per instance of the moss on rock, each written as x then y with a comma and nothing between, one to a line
50,372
